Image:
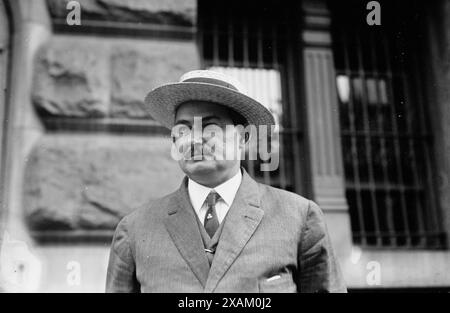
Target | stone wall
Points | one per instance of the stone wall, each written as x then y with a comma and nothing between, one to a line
4,59
82,177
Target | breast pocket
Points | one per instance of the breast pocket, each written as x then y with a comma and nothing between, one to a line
281,284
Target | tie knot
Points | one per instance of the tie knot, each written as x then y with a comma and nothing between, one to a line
212,198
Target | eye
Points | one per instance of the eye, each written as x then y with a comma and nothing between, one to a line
180,130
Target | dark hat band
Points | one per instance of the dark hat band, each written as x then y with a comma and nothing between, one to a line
211,81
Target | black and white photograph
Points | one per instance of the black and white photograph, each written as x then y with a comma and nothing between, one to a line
224,146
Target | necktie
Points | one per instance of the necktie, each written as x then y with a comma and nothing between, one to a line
211,222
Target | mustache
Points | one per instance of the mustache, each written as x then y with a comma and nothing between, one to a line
197,149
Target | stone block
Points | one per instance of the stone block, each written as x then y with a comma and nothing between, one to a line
136,69
71,79
88,182
93,78
166,12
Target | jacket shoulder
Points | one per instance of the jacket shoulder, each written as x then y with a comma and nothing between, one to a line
284,196
151,211
287,203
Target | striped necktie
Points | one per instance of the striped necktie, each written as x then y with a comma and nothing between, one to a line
211,222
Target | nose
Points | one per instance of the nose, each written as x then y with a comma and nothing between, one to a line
197,140
196,148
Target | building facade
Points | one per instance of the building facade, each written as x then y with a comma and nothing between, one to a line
363,114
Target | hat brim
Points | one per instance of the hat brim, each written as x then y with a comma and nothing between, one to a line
163,101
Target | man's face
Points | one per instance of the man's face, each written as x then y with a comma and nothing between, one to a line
204,133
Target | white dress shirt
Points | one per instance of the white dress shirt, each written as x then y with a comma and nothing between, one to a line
227,192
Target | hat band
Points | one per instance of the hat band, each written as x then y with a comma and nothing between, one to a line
212,81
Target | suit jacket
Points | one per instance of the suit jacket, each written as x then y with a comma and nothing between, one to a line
272,241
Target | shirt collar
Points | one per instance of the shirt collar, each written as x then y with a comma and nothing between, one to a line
227,191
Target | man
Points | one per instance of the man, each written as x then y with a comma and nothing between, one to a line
221,231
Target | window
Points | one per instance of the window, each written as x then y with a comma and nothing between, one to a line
254,41
386,142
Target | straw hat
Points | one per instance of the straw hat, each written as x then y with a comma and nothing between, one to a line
202,85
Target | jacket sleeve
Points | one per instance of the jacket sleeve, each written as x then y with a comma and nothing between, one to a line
121,274
319,269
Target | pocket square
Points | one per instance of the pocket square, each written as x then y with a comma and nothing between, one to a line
275,277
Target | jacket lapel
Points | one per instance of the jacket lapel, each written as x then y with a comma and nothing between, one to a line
241,222
183,230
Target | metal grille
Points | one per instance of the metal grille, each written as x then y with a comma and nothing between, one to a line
385,132
254,41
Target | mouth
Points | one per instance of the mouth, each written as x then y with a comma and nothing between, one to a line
199,157
196,156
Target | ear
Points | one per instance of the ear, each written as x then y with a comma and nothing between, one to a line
246,136
243,137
